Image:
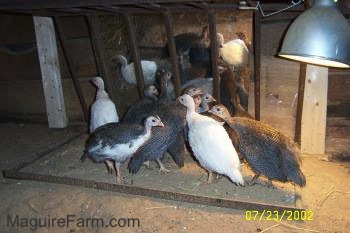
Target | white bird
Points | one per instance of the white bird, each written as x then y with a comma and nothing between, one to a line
149,69
103,110
234,52
211,144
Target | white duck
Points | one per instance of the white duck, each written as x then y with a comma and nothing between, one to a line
234,52
103,110
211,144
149,69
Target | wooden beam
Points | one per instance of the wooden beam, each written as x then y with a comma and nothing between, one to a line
214,54
37,4
257,62
102,61
135,52
313,121
172,51
301,89
72,71
50,72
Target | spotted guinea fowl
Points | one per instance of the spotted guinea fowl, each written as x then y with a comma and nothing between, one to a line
267,151
169,138
117,142
149,69
204,84
103,110
211,144
185,41
151,93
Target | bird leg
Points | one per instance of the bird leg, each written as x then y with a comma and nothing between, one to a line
218,176
110,166
147,164
120,180
162,167
269,184
210,177
253,181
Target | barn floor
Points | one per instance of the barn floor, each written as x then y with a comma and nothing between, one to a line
327,192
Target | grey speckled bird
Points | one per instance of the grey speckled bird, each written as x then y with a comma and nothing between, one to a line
169,138
267,151
117,142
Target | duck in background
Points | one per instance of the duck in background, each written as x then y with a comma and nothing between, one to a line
211,144
117,142
267,151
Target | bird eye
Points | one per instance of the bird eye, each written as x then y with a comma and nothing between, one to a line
206,97
217,109
153,120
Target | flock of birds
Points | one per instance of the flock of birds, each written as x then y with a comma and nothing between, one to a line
218,136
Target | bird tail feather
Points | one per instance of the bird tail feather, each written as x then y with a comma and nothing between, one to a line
291,167
236,177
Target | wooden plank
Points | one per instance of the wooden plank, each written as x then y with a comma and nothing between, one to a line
301,89
71,68
313,123
172,52
214,54
257,62
102,62
135,52
50,72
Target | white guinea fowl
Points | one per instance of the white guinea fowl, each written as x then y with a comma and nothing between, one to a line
103,110
211,144
149,69
234,52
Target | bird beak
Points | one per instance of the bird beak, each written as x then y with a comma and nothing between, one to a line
156,93
160,124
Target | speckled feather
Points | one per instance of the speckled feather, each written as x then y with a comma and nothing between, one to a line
268,151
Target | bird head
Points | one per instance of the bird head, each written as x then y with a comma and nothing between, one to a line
208,98
220,111
154,120
193,91
187,101
151,92
98,82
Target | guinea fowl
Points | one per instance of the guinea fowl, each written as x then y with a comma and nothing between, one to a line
149,69
185,41
169,138
211,144
267,151
117,142
151,93
204,84
103,110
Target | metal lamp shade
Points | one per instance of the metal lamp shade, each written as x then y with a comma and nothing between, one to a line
320,36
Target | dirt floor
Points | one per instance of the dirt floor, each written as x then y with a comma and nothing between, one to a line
327,193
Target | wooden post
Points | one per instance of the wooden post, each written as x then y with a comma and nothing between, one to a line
172,51
313,120
71,69
257,62
50,72
301,89
102,61
135,52
214,54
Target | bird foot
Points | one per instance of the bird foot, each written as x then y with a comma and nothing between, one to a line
163,169
122,180
270,185
147,165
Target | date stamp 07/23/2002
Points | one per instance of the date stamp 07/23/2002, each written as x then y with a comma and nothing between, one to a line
275,215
